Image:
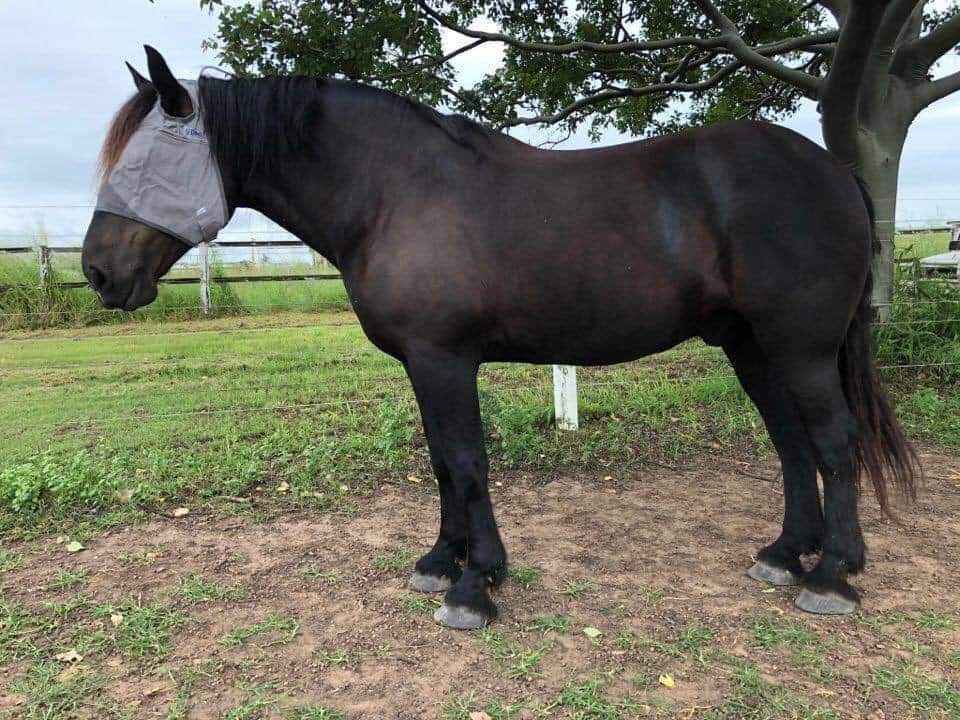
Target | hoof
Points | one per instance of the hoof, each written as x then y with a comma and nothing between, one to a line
461,618
429,583
764,572
828,603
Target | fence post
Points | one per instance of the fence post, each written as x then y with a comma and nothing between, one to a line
43,258
565,397
204,250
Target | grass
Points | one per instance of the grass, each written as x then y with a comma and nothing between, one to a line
400,559
524,576
805,647
420,604
68,579
19,630
693,639
577,588
753,698
550,623
589,701
314,712
520,663
284,629
197,589
10,561
143,630
930,620
52,691
330,577
918,690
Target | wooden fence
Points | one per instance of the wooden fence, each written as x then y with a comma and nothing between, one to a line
44,252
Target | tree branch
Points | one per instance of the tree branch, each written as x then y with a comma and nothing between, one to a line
930,92
572,47
734,42
617,93
896,16
938,42
841,92
837,8
431,64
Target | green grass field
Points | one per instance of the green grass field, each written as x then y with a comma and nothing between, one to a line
170,412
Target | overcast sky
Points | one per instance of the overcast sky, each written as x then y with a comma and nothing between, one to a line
63,77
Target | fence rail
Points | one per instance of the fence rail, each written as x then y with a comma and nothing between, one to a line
44,253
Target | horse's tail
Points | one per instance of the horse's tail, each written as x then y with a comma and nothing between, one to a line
882,452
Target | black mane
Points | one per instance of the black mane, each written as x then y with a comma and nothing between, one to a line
256,122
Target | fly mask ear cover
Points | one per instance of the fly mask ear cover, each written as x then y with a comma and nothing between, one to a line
167,177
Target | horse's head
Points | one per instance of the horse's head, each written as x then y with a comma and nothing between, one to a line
160,193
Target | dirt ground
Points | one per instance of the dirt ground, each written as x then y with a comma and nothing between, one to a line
663,550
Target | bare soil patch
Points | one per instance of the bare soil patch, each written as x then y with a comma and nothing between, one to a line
650,555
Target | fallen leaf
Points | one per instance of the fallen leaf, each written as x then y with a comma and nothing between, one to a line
823,692
283,487
592,632
608,477
769,590
125,495
481,715
667,680
74,546
414,479
116,619
68,656
154,690
180,512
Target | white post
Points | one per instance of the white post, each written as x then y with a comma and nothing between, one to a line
203,249
43,257
565,397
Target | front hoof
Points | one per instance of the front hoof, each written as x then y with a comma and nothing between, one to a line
765,572
825,603
429,583
460,618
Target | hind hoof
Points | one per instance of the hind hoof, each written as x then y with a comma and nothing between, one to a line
460,618
429,583
772,574
827,603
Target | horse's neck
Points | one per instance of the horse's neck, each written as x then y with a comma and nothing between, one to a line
325,202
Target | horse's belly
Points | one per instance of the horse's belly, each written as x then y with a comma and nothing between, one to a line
605,343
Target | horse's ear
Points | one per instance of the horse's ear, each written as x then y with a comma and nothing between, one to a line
174,98
139,80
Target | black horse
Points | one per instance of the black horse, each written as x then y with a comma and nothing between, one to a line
459,245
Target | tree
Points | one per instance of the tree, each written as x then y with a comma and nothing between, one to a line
639,66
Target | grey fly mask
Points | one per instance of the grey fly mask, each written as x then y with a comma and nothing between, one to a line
167,177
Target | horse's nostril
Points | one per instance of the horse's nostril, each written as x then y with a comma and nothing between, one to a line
95,276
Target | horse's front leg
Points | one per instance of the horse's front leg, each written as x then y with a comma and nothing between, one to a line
446,387
440,568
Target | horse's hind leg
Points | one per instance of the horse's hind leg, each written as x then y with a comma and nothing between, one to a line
815,384
446,387
779,562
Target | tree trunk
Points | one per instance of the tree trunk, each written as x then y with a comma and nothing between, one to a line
881,177
878,165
